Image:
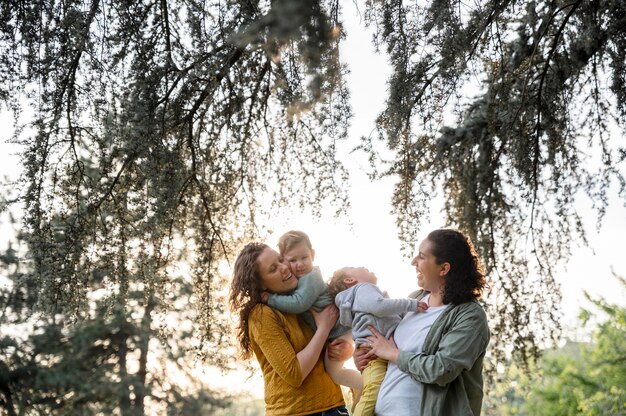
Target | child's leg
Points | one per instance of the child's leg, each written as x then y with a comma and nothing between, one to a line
373,376
340,375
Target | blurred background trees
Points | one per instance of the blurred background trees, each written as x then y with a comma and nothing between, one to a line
127,359
579,378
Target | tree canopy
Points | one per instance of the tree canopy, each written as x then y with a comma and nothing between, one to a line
159,129
156,132
153,134
129,359
510,111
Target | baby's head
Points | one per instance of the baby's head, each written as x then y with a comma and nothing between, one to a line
346,277
296,248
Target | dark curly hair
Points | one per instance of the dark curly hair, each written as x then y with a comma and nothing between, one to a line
466,279
245,290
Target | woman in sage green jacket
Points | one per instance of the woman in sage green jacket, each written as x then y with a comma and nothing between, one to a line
436,358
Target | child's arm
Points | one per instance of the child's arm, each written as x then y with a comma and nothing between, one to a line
370,299
310,287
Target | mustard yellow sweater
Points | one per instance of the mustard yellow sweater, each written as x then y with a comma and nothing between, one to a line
275,347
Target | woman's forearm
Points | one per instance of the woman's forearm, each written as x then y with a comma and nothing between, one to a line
324,320
311,353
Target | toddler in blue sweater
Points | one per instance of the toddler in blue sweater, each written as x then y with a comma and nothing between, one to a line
311,292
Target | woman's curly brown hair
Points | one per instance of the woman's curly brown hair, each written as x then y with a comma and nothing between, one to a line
245,290
466,279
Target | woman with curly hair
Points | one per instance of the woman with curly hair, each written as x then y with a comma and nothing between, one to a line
288,351
436,357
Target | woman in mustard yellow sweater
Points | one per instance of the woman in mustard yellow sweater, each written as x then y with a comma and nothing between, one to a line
288,351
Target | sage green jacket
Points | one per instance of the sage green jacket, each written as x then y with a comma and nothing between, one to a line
451,364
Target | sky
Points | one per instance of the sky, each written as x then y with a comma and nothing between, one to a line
367,236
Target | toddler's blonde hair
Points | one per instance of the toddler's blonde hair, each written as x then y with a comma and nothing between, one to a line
291,239
337,283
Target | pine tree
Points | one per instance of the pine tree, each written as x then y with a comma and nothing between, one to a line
155,134
508,110
160,129
129,359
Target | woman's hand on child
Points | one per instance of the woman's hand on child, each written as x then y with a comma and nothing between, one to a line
340,350
422,306
382,347
326,318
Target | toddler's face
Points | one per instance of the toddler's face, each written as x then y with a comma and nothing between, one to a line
361,275
300,259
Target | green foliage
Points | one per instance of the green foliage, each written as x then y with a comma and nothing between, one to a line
507,394
114,361
156,138
247,407
577,379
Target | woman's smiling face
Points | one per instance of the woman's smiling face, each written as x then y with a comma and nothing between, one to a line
430,275
276,277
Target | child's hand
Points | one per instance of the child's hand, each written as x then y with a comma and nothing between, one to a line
265,295
422,306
